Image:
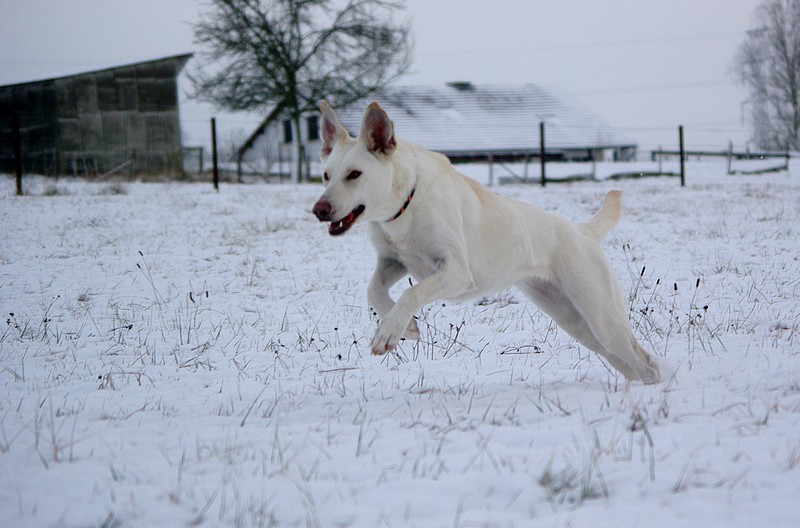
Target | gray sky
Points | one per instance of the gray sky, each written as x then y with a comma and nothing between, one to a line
644,65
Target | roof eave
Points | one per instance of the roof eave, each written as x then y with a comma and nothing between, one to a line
183,58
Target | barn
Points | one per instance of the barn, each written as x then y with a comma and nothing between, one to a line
465,122
120,118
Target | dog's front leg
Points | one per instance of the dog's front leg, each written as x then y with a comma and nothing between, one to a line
452,279
387,273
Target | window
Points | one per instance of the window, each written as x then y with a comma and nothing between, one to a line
312,122
287,131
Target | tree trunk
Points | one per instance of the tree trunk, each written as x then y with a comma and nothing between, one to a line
297,173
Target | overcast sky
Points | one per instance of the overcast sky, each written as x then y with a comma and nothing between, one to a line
645,66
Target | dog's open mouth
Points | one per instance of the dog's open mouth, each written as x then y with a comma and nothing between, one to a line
340,226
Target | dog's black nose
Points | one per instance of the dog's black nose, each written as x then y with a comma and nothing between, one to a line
322,210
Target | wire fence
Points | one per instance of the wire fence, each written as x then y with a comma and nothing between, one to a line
110,155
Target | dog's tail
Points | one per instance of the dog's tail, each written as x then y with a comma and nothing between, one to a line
605,218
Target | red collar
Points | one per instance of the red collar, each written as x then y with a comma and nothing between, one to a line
405,205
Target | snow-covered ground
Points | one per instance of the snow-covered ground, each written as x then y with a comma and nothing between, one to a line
171,356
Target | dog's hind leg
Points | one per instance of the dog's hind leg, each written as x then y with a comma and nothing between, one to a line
387,273
605,330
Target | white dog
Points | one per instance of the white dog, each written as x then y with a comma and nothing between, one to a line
459,241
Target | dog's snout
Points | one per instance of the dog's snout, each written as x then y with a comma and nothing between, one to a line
322,210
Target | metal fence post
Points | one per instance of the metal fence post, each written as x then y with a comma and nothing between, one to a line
17,140
214,169
683,168
542,151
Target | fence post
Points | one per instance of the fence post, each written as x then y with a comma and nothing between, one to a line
730,157
542,151
214,169
683,168
660,159
17,140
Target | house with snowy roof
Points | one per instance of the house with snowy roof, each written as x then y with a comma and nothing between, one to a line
465,122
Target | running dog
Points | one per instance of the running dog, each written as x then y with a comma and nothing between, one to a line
460,241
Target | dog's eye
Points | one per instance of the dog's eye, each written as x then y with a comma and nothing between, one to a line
353,175
326,177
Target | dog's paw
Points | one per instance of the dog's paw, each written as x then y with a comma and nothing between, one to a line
412,332
378,349
387,336
384,341
389,333
382,344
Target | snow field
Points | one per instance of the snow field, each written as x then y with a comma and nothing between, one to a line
170,356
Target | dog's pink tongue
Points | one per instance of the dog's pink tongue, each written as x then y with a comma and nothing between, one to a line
348,219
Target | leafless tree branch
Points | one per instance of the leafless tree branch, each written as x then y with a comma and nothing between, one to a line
768,62
290,54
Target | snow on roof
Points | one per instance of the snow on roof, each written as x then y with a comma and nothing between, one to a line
461,118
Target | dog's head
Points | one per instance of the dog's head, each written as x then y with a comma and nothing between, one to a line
358,172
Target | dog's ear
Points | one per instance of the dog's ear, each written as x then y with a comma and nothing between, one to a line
330,129
377,131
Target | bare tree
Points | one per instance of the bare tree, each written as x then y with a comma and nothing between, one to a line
769,64
286,55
